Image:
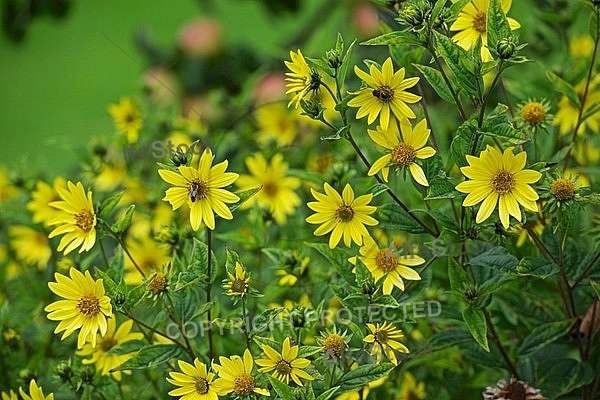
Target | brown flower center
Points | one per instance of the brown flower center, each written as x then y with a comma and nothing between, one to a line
384,94
479,22
333,344
89,305
270,188
129,118
85,220
201,386
197,190
344,213
503,182
158,284
403,154
108,343
533,113
386,260
239,286
381,336
283,367
243,384
562,189
515,391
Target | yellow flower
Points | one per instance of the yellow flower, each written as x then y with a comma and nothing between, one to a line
103,361
195,382
31,246
498,178
110,177
383,341
385,93
85,306
471,24
410,390
285,365
287,279
148,255
534,113
7,189
388,264
301,80
9,396
402,153
237,285
201,189
276,122
277,192
341,215
77,219
127,117
581,46
235,375
567,113
35,392
40,199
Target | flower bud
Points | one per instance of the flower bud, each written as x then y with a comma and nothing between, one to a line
87,374
167,234
179,157
64,371
334,58
506,48
312,108
411,15
120,299
298,317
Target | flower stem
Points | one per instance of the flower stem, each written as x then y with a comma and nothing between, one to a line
492,329
125,249
244,314
208,294
174,318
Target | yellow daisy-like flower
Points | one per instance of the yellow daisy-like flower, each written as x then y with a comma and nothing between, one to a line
285,365
276,123
77,220
202,190
341,215
127,117
235,375
302,80
277,192
388,264
35,392
385,93
499,178
103,361
149,256
237,286
402,153
383,341
567,113
40,199
471,24
195,382
581,46
31,246
7,189
85,306
9,396
410,389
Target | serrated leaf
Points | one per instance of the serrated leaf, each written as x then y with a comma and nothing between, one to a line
458,60
464,143
539,267
457,275
437,9
337,258
497,258
543,335
135,295
126,347
396,218
436,80
264,319
109,204
448,338
199,264
562,376
475,320
124,220
440,188
244,196
393,38
564,87
361,376
343,69
150,356
109,284
378,189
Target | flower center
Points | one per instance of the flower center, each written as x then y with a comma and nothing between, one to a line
344,213
533,113
334,344
381,336
197,190
283,367
85,220
562,189
270,188
515,391
386,260
89,305
243,384
129,118
315,80
503,182
158,284
239,286
403,154
201,386
479,22
384,94
108,343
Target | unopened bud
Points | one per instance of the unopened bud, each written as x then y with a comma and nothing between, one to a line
334,58
64,371
506,48
312,108
167,234
179,157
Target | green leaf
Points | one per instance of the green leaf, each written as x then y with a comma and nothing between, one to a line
232,259
109,284
150,356
396,218
337,258
393,38
326,395
448,338
564,87
135,295
456,8
199,264
124,221
538,267
562,376
464,143
497,27
440,188
244,196
435,79
458,60
262,321
343,69
361,376
362,275
457,275
498,124
437,9
497,258
475,321
590,110
284,391
543,335
126,347
378,189
109,204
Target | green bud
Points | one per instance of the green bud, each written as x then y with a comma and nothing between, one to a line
64,371
368,287
87,374
506,48
312,108
179,157
411,15
167,234
334,58
298,317
120,299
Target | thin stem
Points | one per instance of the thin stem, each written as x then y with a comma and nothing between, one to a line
174,318
503,353
389,192
488,93
428,118
330,91
587,269
585,92
125,249
103,252
208,295
508,103
244,314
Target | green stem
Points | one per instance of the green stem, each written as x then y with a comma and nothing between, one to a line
246,327
492,330
175,318
587,269
125,249
208,293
